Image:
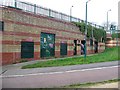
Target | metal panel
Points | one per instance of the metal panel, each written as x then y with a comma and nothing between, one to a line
63,49
47,45
27,49
91,42
83,46
75,47
96,47
1,26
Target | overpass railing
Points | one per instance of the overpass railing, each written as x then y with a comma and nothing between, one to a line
36,9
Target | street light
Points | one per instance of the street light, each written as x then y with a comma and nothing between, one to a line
86,29
117,37
107,18
71,13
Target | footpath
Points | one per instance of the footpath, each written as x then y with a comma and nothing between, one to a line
15,69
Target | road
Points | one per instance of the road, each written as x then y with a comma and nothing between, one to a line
61,78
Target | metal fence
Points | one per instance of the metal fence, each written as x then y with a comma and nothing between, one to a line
33,8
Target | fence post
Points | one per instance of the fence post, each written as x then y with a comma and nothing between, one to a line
15,3
60,16
49,12
34,8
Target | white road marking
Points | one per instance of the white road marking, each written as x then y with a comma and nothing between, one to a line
71,71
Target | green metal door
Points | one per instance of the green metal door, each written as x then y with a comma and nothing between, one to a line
63,49
47,45
27,49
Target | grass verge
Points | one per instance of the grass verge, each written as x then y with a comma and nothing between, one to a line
110,54
87,85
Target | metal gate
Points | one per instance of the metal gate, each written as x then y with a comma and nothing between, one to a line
96,47
27,49
83,47
75,47
63,49
47,45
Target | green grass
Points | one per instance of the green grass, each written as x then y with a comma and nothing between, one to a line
110,54
91,84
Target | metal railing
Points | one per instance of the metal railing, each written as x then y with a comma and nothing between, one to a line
33,8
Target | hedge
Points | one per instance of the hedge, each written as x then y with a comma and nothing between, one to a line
115,35
98,33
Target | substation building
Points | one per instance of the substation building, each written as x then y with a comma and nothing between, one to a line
32,32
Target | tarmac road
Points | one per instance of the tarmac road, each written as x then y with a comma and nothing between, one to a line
61,78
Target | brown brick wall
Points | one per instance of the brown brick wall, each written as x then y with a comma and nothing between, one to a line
20,26
113,43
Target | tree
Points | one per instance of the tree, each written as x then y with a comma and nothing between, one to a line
98,33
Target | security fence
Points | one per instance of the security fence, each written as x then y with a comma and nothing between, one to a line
33,8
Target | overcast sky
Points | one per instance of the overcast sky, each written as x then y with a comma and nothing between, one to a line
97,9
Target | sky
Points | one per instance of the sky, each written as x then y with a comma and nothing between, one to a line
97,9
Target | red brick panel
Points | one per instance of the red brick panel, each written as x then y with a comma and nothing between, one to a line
57,53
7,58
90,51
36,55
70,53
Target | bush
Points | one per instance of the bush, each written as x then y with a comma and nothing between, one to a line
98,33
116,35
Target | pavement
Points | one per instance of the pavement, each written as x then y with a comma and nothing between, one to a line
107,85
50,76
59,79
15,69
19,65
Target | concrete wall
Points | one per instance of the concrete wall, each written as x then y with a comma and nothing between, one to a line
22,26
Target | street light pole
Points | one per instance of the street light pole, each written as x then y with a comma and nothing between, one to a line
86,30
117,36
71,13
107,19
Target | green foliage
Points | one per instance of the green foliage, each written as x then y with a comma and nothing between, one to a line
110,54
116,35
98,33
89,84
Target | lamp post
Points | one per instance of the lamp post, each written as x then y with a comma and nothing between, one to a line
85,52
71,13
117,36
107,18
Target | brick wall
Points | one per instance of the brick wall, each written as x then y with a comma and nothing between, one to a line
21,26
113,43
